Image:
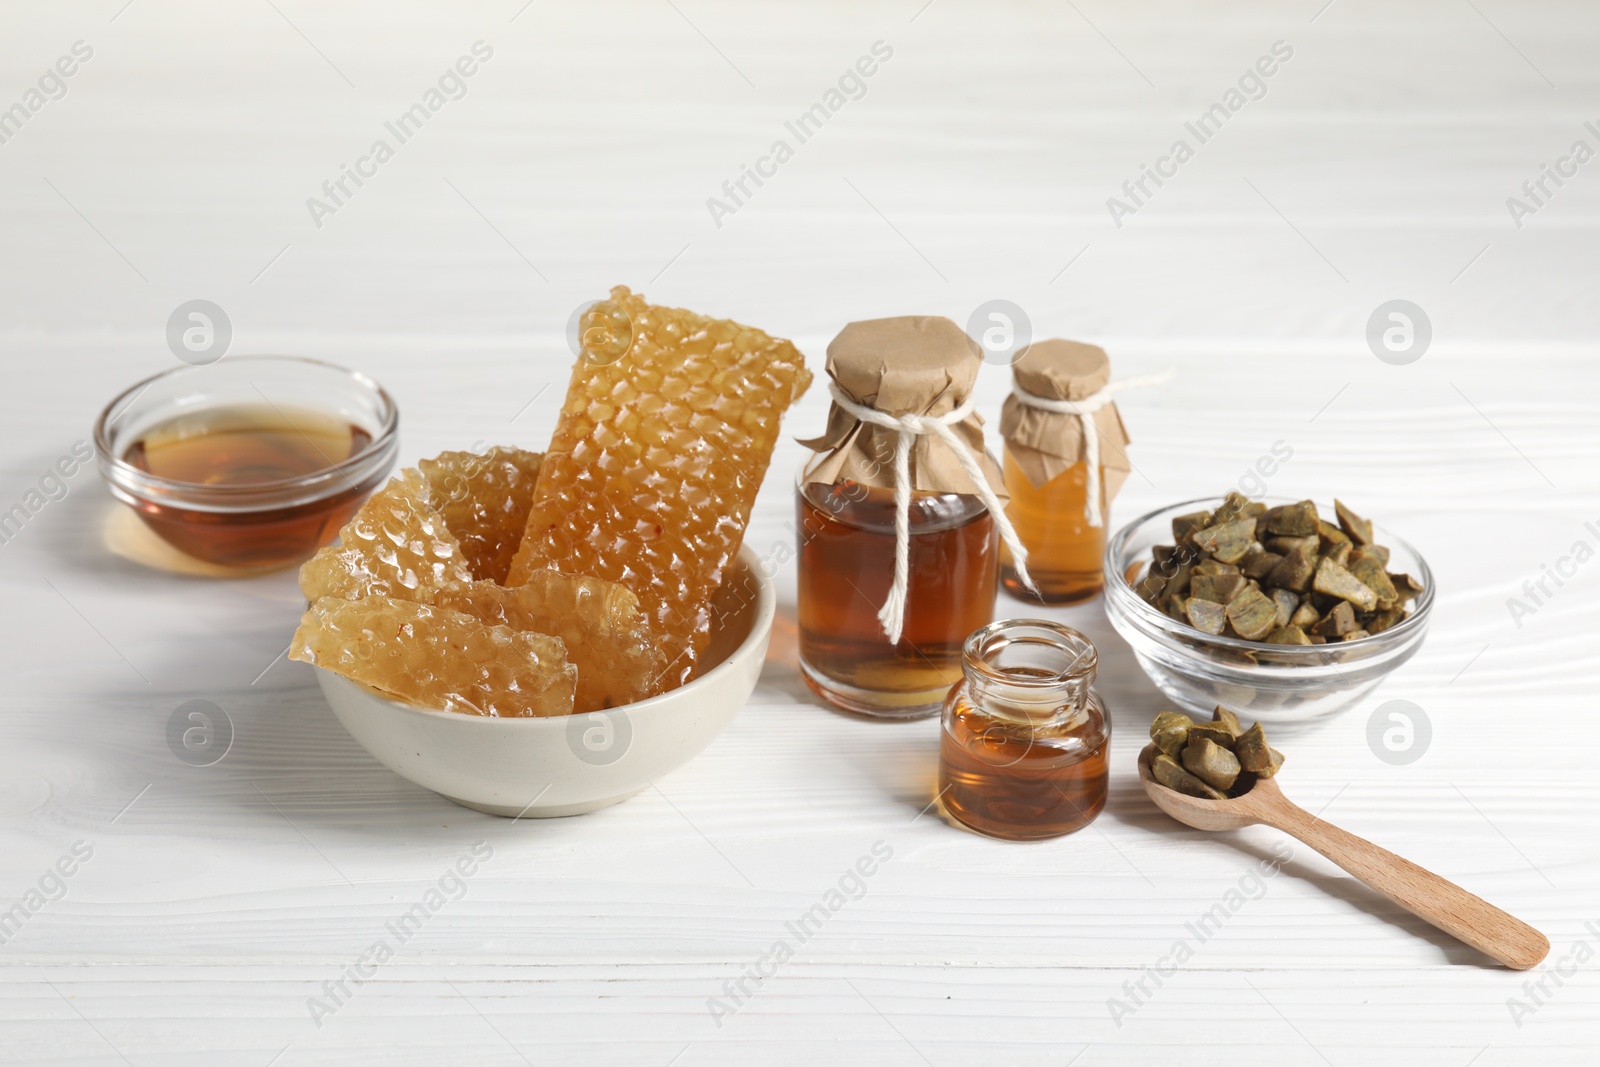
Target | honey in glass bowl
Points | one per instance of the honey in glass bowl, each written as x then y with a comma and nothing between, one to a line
252,463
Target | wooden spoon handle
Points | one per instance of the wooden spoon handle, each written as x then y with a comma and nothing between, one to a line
1468,918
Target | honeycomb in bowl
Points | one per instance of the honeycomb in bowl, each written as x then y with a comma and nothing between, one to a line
395,545
437,658
607,637
484,498
392,550
655,462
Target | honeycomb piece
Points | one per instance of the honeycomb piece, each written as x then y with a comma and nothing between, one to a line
484,498
396,545
656,459
437,658
607,637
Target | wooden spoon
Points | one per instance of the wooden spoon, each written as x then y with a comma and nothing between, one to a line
1467,918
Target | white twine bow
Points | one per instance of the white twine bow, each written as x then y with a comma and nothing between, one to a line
909,428
1085,410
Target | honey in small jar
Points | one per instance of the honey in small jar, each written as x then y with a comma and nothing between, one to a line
1024,750
1064,551
883,610
1065,458
252,459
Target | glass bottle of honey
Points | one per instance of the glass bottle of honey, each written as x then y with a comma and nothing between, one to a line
1023,753
897,539
1065,458
847,566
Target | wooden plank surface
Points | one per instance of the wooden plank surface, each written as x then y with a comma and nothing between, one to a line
217,901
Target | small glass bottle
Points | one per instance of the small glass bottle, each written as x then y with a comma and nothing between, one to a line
1065,553
1047,470
889,379
1023,754
847,547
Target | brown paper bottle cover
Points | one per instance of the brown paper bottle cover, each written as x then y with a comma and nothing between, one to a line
1045,443
909,365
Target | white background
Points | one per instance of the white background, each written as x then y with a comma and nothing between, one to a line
977,165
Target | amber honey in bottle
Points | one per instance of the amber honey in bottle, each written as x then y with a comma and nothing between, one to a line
1024,750
1065,553
876,638
847,559
257,485
1048,473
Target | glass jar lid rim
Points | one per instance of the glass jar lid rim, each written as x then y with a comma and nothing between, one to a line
980,646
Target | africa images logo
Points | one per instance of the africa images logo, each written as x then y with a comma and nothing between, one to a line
451,85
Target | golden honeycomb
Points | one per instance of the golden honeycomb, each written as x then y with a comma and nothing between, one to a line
396,545
656,459
607,637
437,658
484,498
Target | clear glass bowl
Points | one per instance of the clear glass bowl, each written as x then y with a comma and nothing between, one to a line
1271,683
256,524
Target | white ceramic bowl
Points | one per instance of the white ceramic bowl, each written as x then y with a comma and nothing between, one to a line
573,763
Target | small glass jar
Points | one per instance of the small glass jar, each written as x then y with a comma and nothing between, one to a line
1065,553
1024,750
1061,467
846,537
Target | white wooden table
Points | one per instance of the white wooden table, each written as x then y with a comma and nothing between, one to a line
218,901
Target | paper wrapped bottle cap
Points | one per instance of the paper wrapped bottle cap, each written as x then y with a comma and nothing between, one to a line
909,365
1045,444
1062,370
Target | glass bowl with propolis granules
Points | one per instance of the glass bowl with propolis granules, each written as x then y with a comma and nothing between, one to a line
251,463
1291,670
